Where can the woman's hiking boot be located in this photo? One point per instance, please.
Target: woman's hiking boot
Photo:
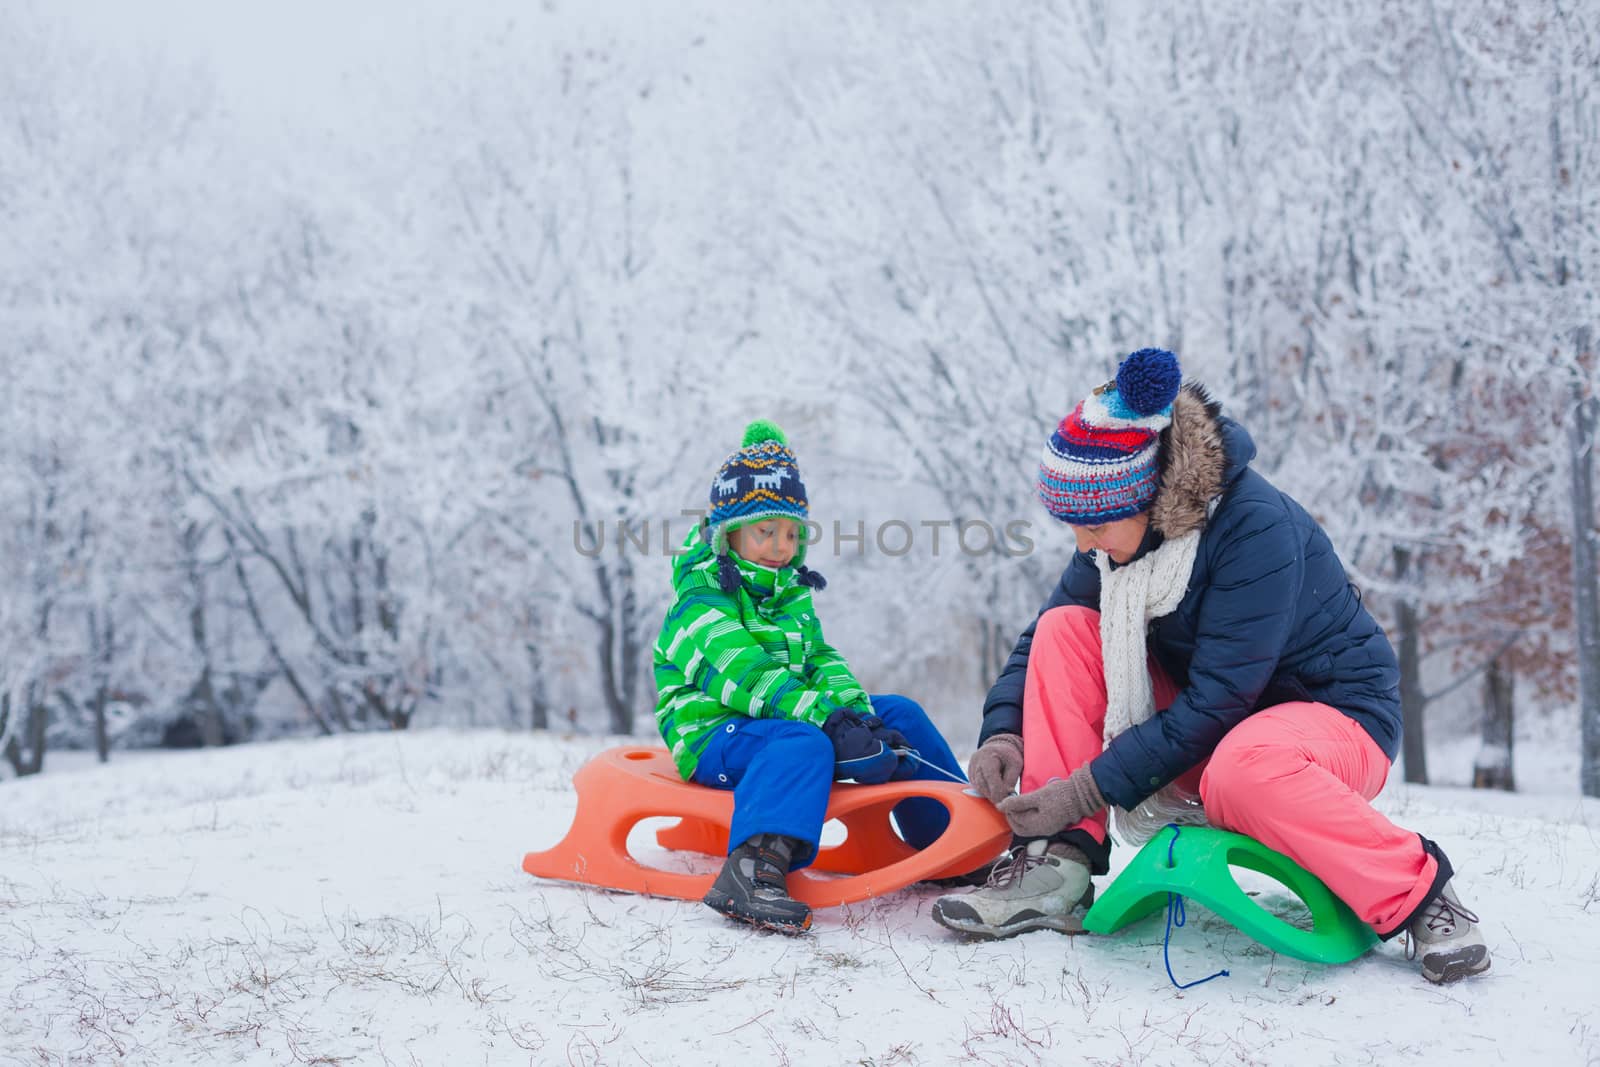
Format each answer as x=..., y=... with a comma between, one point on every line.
x=1446, y=936
x=1042, y=885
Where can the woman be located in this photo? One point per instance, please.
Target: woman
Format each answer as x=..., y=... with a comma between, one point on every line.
x=1200, y=589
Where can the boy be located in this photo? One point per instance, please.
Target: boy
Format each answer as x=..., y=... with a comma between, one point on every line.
x=752, y=699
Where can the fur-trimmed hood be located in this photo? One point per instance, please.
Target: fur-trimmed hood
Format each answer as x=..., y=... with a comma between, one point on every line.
x=1202, y=451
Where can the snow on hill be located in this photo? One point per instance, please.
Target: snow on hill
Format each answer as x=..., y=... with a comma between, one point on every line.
x=359, y=900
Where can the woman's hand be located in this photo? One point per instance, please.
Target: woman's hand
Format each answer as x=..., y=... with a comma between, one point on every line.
x=996, y=767
x=1055, y=806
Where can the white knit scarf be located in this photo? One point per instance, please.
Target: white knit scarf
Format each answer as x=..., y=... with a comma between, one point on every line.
x=1130, y=596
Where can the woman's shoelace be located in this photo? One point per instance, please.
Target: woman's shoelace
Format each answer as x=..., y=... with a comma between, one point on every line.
x=1441, y=913
x=1437, y=914
x=1012, y=866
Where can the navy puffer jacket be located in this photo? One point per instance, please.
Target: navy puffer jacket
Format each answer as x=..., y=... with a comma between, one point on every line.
x=1270, y=616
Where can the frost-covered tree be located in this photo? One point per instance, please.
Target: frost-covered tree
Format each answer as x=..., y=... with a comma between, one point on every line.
x=90, y=175
x=322, y=431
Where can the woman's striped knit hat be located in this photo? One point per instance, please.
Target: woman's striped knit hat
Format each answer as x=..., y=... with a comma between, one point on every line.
x=1101, y=464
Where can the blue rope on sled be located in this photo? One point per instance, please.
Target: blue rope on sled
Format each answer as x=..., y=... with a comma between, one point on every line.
x=1176, y=916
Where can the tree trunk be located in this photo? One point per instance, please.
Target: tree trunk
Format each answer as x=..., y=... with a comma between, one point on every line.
x=619, y=649
x=630, y=650
x=200, y=704
x=208, y=713
x=998, y=639
x=616, y=711
x=102, y=734
x=1585, y=592
x=29, y=760
x=106, y=641
x=539, y=712
x=1492, y=769
x=986, y=641
x=201, y=701
x=1412, y=700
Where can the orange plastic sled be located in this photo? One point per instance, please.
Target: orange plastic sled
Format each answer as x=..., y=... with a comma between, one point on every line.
x=621, y=786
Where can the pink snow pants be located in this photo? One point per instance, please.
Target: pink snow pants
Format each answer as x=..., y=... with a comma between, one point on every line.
x=1296, y=777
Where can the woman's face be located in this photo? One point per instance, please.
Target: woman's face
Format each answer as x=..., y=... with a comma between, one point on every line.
x=769, y=543
x=1119, y=540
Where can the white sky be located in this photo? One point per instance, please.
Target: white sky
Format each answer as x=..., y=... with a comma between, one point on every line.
x=282, y=55
x=299, y=59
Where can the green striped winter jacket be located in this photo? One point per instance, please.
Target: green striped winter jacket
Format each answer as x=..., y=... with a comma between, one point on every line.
x=757, y=653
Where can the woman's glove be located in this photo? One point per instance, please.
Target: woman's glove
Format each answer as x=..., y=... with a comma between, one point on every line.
x=857, y=754
x=1055, y=806
x=996, y=767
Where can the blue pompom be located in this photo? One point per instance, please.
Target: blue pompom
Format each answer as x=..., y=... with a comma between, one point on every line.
x=1148, y=380
x=810, y=578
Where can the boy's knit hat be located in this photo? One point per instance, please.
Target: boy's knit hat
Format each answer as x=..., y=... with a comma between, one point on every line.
x=759, y=481
x=1101, y=464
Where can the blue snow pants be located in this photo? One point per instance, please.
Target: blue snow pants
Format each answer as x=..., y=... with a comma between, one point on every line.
x=781, y=772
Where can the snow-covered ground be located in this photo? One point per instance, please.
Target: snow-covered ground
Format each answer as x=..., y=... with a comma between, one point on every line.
x=359, y=900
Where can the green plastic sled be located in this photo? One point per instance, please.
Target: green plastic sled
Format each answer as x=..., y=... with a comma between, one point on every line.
x=1199, y=871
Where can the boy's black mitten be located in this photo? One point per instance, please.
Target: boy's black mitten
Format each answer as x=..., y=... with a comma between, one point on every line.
x=890, y=737
x=857, y=754
x=896, y=741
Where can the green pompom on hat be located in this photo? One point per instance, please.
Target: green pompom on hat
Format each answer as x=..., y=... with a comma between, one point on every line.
x=762, y=430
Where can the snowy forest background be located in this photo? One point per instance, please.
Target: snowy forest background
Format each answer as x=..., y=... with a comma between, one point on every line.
x=334, y=342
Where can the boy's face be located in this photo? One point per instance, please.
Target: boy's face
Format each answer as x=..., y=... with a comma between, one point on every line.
x=768, y=543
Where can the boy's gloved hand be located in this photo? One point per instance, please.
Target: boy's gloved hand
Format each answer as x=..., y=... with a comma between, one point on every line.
x=857, y=754
x=910, y=764
x=892, y=738
x=1055, y=806
x=996, y=767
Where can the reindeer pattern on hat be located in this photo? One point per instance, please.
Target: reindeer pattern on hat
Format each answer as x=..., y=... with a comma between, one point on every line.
x=772, y=479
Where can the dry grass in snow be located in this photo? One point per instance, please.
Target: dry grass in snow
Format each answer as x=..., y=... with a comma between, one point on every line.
x=358, y=900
